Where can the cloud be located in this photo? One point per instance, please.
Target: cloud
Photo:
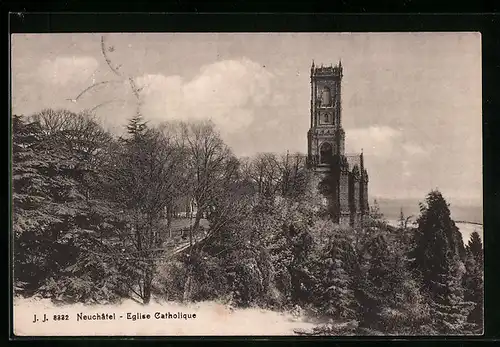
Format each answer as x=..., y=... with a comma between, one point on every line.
x=381, y=141
x=406, y=171
x=64, y=70
x=229, y=92
x=413, y=149
x=375, y=140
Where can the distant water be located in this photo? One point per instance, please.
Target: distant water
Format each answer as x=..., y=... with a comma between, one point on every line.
x=391, y=209
x=468, y=218
x=465, y=228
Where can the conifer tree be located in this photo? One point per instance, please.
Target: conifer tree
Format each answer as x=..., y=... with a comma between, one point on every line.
x=475, y=247
x=449, y=309
x=56, y=229
x=437, y=253
x=332, y=288
x=436, y=238
x=389, y=299
x=375, y=216
x=46, y=200
x=401, y=219
x=377, y=282
x=136, y=126
x=334, y=284
x=375, y=285
x=375, y=212
x=28, y=198
x=474, y=281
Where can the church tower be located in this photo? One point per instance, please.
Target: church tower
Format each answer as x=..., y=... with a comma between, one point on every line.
x=347, y=196
x=326, y=136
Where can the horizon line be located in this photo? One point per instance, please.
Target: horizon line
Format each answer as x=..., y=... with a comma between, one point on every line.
x=473, y=200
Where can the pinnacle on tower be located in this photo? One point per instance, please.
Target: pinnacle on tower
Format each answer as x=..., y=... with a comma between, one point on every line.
x=361, y=160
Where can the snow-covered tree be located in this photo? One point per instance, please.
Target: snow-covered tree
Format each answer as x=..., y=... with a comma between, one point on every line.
x=474, y=281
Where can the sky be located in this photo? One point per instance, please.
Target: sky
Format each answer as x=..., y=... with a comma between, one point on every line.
x=410, y=101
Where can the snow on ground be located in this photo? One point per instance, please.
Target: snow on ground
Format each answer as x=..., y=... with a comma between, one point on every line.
x=211, y=319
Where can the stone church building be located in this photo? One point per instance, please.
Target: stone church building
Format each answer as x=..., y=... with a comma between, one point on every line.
x=348, y=193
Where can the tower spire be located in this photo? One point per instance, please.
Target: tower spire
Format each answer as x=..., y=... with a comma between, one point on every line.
x=361, y=160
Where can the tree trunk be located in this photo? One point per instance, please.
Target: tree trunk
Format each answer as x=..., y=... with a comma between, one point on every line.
x=169, y=225
x=148, y=278
x=186, y=297
x=199, y=215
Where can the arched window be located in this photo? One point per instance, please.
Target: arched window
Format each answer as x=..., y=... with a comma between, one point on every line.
x=326, y=97
x=325, y=153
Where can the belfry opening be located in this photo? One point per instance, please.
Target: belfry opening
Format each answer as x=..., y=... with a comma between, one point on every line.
x=326, y=153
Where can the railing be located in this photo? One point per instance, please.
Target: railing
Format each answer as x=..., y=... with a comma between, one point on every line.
x=174, y=245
